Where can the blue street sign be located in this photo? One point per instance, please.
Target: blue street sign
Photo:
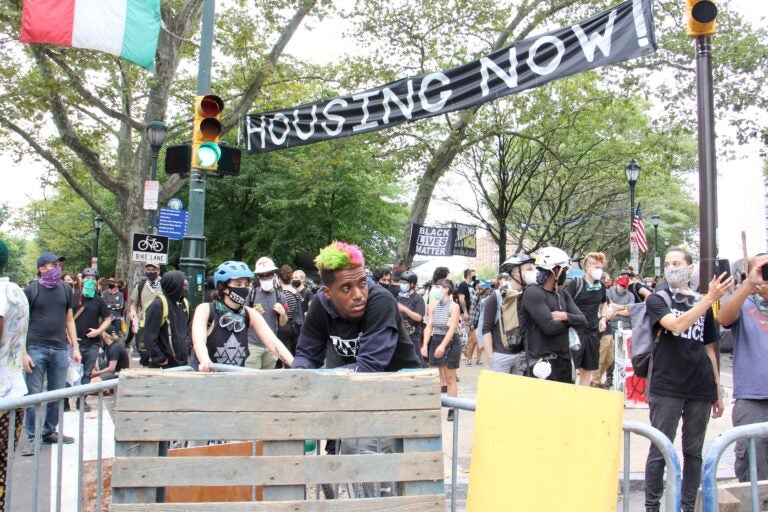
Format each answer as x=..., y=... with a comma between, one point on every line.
x=172, y=223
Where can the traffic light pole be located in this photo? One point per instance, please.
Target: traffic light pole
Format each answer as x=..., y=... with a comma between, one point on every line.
x=707, y=162
x=193, y=260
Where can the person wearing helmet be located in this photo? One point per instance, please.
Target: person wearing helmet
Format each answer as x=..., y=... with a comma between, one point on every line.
x=411, y=307
x=506, y=349
x=220, y=328
x=268, y=301
x=549, y=311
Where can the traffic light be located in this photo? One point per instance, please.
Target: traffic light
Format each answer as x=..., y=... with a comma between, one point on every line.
x=205, y=136
x=178, y=159
x=701, y=16
x=229, y=163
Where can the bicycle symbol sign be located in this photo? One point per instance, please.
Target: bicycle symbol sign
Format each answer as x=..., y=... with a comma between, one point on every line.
x=149, y=248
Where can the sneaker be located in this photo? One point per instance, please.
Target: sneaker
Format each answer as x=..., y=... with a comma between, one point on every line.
x=478, y=363
x=53, y=438
x=29, y=448
x=450, y=415
x=469, y=363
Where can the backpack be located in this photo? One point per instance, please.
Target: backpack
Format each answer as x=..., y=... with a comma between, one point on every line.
x=34, y=289
x=508, y=318
x=579, y=287
x=643, y=341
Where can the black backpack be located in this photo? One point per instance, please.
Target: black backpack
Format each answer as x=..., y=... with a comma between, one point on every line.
x=34, y=290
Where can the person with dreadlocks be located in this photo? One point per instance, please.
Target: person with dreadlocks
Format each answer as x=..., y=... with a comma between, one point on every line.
x=220, y=328
x=354, y=324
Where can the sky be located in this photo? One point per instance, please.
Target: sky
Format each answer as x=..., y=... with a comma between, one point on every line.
x=739, y=181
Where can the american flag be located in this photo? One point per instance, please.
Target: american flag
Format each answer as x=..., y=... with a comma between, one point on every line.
x=637, y=225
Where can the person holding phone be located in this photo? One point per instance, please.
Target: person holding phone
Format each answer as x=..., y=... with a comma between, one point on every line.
x=746, y=315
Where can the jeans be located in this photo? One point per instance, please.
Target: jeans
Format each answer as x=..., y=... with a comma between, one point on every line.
x=515, y=364
x=51, y=363
x=747, y=412
x=665, y=416
x=89, y=354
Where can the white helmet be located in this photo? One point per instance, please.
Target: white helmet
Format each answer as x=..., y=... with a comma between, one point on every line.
x=264, y=265
x=551, y=257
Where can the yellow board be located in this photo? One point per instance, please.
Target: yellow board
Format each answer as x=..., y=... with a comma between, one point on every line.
x=544, y=446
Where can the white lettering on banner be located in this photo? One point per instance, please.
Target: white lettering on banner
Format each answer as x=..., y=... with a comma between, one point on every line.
x=510, y=79
x=333, y=117
x=552, y=66
x=596, y=39
x=441, y=232
x=281, y=118
x=253, y=127
x=432, y=240
x=640, y=28
x=311, y=132
x=432, y=251
x=444, y=95
x=364, y=124
x=390, y=96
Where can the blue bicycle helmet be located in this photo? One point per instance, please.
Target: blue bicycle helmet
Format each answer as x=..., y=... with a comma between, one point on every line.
x=231, y=270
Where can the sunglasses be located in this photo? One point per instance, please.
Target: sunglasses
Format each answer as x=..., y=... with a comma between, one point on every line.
x=266, y=276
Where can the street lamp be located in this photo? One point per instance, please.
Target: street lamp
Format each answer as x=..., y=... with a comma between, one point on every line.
x=156, y=131
x=632, y=172
x=97, y=222
x=656, y=258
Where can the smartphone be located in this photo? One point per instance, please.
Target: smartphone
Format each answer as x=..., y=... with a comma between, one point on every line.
x=765, y=272
x=723, y=266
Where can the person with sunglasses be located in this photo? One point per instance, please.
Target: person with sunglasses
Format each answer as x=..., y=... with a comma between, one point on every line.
x=745, y=313
x=220, y=328
x=685, y=380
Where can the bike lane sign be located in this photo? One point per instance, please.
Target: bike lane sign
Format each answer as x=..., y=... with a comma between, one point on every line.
x=150, y=248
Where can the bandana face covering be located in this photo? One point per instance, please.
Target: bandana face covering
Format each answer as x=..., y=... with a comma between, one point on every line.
x=50, y=278
x=89, y=288
x=677, y=276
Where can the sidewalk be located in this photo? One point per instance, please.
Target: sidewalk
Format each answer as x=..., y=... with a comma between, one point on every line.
x=638, y=445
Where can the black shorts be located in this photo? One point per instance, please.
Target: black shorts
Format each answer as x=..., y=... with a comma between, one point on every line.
x=451, y=356
x=588, y=356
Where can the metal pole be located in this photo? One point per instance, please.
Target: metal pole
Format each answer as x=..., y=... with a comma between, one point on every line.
x=193, y=260
x=633, y=256
x=656, y=260
x=707, y=162
x=95, y=262
x=151, y=228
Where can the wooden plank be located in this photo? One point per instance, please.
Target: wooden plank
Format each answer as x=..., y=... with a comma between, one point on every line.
x=270, y=470
x=139, y=494
x=278, y=450
x=278, y=390
x=741, y=493
x=275, y=426
x=424, y=487
x=435, y=503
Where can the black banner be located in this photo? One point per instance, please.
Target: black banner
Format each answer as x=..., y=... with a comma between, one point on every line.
x=622, y=33
x=466, y=242
x=432, y=241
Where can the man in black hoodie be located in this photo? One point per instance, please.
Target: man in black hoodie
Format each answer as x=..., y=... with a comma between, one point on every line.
x=166, y=326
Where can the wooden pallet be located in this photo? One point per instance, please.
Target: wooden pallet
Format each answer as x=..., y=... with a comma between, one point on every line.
x=280, y=408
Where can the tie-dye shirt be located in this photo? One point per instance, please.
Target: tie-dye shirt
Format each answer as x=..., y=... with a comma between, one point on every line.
x=14, y=309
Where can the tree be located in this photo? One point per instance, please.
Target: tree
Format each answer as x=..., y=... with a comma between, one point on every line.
x=99, y=106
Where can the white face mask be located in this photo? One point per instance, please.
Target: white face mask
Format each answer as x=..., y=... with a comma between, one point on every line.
x=405, y=287
x=267, y=285
x=530, y=277
x=596, y=273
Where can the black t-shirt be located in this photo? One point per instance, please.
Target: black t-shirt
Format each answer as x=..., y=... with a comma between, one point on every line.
x=374, y=343
x=588, y=301
x=95, y=310
x=117, y=352
x=415, y=303
x=48, y=316
x=306, y=298
x=681, y=367
x=463, y=289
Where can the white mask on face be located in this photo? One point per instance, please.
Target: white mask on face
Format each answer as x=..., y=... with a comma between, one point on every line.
x=267, y=285
x=596, y=273
x=530, y=277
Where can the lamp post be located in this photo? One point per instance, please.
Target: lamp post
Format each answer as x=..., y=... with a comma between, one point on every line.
x=97, y=222
x=632, y=172
x=656, y=258
x=156, y=131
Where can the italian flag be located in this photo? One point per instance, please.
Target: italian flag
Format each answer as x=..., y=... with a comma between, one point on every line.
x=126, y=28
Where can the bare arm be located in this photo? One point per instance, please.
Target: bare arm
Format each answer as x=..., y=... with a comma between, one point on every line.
x=731, y=309
x=717, y=405
x=200, y=336
x=717, y=288
x=72, y=334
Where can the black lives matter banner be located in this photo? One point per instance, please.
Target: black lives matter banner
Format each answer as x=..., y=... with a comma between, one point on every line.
x=432, y=241
x=622, y=33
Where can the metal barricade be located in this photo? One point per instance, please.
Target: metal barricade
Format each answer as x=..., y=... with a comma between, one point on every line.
x=712, y=459
x=666, y=447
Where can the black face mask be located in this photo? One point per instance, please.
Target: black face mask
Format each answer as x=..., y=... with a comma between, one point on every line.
x=561, y=279
x=296, y=283
x=151, y=276
x=542, y=277
x=239, y=295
